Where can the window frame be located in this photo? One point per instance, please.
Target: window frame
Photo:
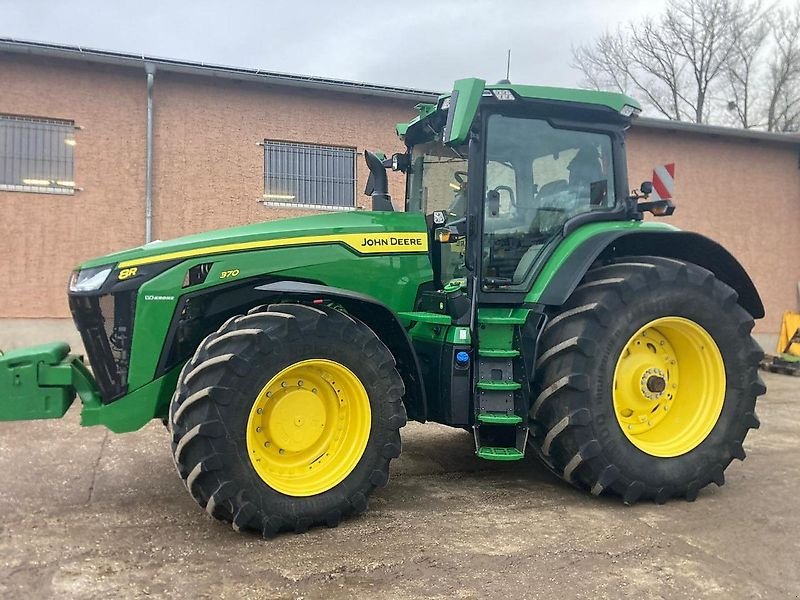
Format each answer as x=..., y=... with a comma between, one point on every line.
x=59, y=190
x=294, y=202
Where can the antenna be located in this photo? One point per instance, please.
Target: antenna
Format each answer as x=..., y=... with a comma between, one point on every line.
x=508, y=66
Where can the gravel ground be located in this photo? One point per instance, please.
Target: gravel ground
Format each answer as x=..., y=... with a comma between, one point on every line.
x=90, y=514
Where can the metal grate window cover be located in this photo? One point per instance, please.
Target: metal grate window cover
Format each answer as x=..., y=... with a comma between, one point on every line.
x=36, y=155
x=310, y=175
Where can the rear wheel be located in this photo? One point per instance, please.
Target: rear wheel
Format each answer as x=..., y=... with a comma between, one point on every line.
x=287, y=417
x=648, y=381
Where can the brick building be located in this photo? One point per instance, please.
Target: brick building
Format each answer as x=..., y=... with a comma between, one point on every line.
x=82, y=118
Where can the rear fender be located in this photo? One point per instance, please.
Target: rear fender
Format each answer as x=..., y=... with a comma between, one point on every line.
x=682, y=245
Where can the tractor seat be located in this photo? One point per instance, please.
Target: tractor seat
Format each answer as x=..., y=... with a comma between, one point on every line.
x=525, y=263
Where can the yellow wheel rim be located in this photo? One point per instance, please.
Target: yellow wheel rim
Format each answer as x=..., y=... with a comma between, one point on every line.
x=669, y=386
x=308, y=427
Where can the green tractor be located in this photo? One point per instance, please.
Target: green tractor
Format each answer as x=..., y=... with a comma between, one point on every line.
x=520, y=296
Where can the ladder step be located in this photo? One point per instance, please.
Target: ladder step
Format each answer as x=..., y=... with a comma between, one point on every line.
x=498, y=353
x=503, y=386
x=492, y=320
x=494, y=453
x=425, y=317
x=496, y=418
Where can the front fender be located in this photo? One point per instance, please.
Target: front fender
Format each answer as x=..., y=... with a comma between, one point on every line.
x=378, y=317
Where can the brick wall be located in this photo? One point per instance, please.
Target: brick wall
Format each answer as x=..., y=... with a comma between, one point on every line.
x=44, y=236
x=208, y=173
x=741, y=193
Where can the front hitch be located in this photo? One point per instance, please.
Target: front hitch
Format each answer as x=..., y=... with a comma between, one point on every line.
x=41, y=382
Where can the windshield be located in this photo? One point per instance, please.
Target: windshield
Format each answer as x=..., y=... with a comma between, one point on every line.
x=438, y=181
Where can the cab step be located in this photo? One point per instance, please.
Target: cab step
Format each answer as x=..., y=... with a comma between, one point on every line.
x=425, y=317
x=496, y=453
x=503, y=386
x=489, y=353
x=496, y=418
x=500, y=320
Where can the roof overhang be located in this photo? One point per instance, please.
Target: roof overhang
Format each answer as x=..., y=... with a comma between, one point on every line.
x=716, y=131
x=140, y=61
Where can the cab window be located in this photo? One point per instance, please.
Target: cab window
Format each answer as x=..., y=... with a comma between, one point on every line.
x=537, y=177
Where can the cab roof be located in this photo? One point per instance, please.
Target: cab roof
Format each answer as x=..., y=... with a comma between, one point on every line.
x=618, y=103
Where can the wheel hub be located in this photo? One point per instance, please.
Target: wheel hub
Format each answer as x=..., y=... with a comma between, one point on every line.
x=308, y=427
x=298, y=419
x=669, y=386
x=654, y=382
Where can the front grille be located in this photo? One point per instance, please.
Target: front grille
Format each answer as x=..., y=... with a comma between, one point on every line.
x=105, y=323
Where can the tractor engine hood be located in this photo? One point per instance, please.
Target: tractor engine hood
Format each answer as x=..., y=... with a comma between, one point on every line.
x=361, y=231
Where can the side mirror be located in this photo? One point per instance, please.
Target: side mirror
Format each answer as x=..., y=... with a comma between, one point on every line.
x=377, y=184
x=646, y=188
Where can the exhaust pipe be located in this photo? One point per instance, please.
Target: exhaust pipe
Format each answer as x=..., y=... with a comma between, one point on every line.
x=378, y=183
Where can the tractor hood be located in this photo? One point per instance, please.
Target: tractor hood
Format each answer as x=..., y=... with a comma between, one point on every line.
x=344, y=228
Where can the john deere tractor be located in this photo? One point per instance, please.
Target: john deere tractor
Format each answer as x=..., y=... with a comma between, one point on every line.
x=520, y=296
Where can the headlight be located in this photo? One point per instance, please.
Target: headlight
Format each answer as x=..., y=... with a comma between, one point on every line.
x=88, y=280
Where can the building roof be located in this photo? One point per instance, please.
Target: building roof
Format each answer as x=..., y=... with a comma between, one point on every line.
x=717, y=131
x=124, y=59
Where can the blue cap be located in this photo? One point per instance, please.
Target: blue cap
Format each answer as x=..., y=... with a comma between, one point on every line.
x=462, y=358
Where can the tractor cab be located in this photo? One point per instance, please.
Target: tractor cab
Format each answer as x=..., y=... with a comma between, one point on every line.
x=501, y=170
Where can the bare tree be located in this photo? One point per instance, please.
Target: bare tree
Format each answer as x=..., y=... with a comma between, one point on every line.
x=783, y=107
x=742, y=70
x=701, y=57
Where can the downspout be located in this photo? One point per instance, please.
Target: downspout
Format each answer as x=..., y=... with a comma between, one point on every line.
x=150, y=69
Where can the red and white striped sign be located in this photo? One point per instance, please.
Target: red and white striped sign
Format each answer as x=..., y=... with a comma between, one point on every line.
x=664, y=182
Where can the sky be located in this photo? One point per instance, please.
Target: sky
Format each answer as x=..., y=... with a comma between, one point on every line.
x=419, y=45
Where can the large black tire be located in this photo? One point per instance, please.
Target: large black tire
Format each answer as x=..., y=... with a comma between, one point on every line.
x=575, y=429
x=216, y=390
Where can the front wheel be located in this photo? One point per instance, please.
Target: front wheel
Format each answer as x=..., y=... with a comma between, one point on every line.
x=286, y=418
x=647, y=381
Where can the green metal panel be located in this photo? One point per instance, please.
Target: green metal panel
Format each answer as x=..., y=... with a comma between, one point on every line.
x=427, y=332
x=459, y=336
x=612, y=100
x=424, y=317
x=573, y=241
x=496, y=327
x=40, y=382
x=392, y=279
x=134, y=410
x=300, y=228
x=465, y=99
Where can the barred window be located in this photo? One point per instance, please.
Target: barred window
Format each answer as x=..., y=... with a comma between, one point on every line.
x=315, y=176
x=36, y=155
